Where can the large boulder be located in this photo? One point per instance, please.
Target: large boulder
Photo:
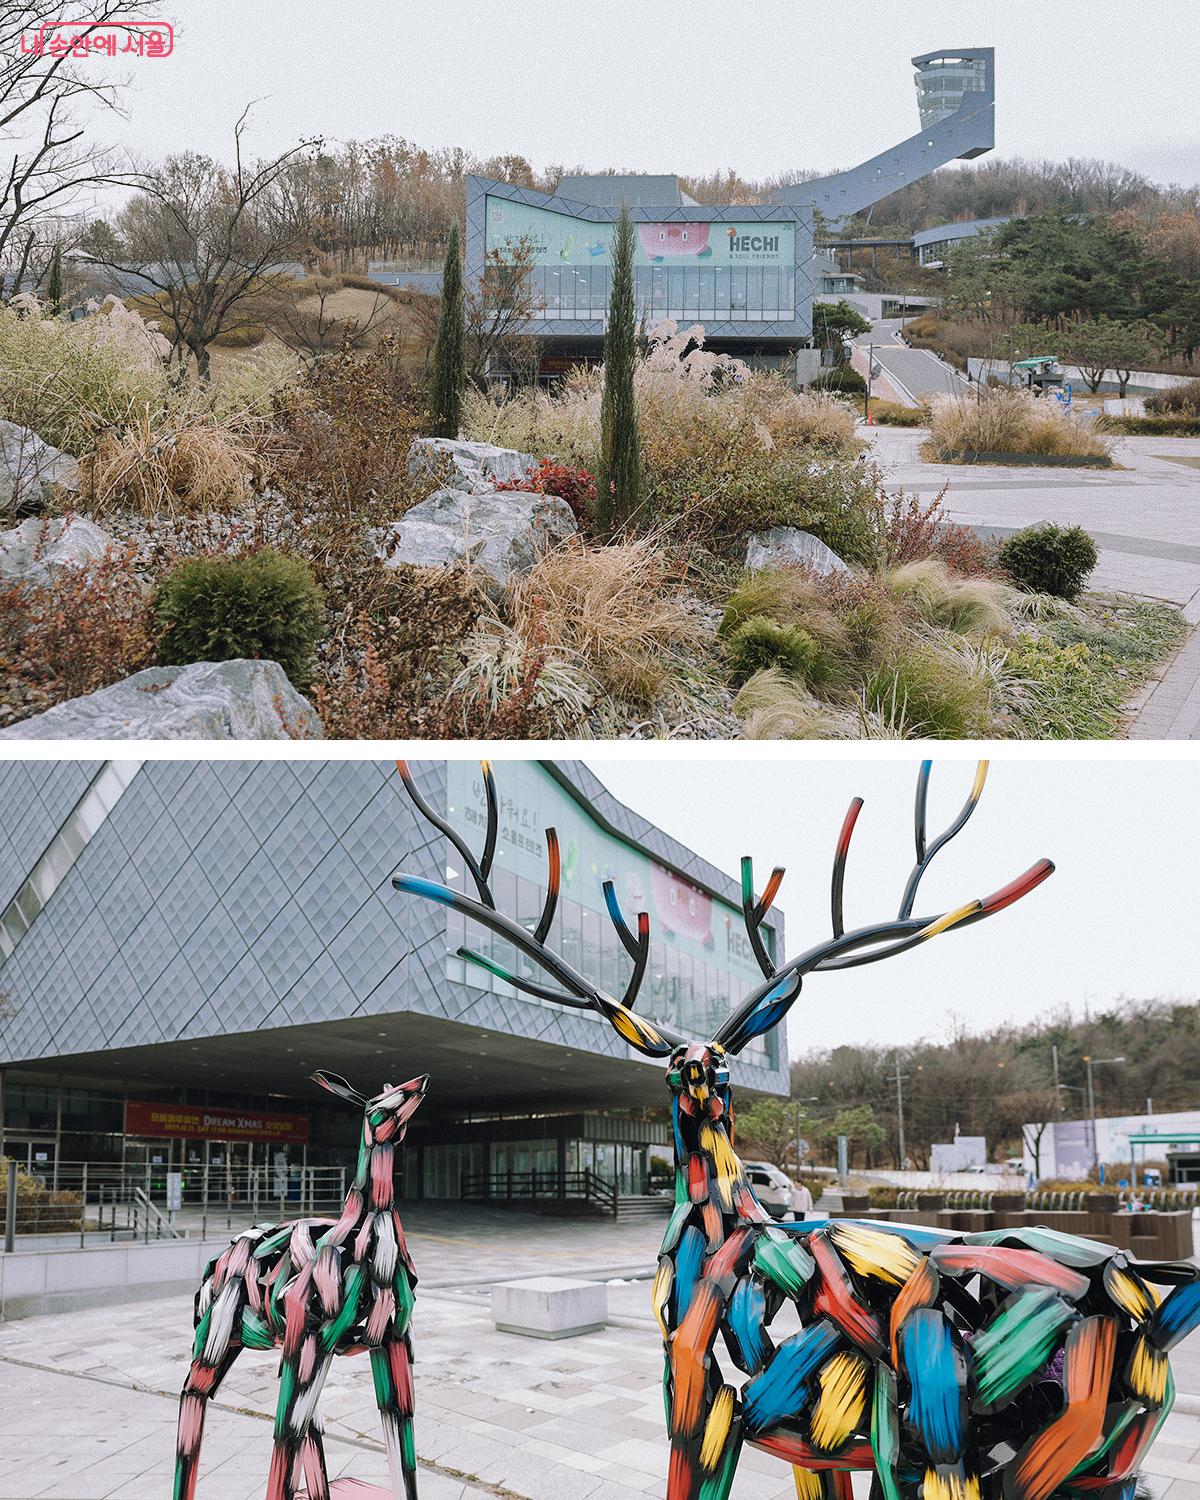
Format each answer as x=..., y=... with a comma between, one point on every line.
x=499, y=533
x=224, y=700
x=35, y=550
x=783, y=546
x=459, y=465
x=30, y=471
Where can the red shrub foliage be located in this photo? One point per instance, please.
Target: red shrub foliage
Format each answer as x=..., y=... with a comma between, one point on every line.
x=914, y=530
x=84, y=629
x=569, y=482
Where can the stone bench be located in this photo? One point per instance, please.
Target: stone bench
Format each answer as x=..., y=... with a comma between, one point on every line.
x=550, y=1307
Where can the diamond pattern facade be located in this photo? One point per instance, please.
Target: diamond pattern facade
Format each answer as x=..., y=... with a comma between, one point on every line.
x=225, y=899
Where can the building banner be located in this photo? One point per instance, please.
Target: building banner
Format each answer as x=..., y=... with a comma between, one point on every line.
x=198, y=1122
x=555, y=239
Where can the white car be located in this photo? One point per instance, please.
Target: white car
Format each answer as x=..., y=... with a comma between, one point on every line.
x=772, y=1188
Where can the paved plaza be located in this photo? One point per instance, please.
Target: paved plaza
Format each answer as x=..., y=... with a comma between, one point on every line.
x=87, y=1400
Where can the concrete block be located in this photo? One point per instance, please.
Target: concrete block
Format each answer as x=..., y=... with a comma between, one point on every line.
x=550, y=1307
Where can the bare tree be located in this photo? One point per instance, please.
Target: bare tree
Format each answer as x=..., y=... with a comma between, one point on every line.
x=309, y=324
x=205, y=238
x=46, y=162
x=499, y=307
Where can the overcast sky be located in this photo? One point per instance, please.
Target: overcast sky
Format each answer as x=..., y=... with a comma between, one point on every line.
x=671, y=86
x=1117, y=917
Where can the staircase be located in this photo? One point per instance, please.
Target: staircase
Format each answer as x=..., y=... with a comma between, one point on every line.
x=648, y=1206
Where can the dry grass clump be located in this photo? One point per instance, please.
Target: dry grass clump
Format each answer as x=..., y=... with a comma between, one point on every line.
x=928, y=689
x=512, y=687
x=68, y=380
x=974, y=607
x=564, y=426
x=805, y=419
x=1011, y=421
x=773, y=705
x=193, y=463
x=618, y=609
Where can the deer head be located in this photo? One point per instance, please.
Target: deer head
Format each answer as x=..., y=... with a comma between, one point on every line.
x=386, y=1116
x=698, y=1070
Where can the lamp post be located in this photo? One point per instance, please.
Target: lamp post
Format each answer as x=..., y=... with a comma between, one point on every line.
x=1095, y=1062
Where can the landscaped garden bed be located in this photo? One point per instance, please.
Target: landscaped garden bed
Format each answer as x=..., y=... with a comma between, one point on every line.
x=301, y=515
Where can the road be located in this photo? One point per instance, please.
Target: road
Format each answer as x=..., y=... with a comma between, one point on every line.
x=915, y=373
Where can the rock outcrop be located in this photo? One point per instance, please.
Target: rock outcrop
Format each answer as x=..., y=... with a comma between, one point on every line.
x=781, y=546
x=226, y=700
x=460, y=465
x=499, y=533
x=30, y=470
x=36, y=549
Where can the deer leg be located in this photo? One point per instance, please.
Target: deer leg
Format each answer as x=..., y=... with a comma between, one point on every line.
x=297, y=1439
x=199, y=1388
x=391, y=1366
x=703, y=1414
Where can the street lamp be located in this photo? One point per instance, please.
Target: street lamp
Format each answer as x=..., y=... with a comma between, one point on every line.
x=1096, y=1062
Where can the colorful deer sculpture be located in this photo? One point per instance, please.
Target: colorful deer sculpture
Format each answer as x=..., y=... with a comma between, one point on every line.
x=315, y=1288
x=1009, y=1365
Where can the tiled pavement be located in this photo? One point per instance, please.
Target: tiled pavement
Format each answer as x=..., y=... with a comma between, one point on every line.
x=87, y=1400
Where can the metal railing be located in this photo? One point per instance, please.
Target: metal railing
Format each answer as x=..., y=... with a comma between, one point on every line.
x=86, y=1202
x=540, y=1185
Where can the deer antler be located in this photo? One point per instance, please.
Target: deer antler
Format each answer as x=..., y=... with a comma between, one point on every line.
x=576, y=992
x=768, y=1004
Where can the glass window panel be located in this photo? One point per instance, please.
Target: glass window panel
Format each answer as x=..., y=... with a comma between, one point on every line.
x=572, y=932
x=737, y=291
x=659, y=298
x=691, y=292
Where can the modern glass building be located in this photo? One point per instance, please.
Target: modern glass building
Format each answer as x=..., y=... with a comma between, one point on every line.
x=182, y=944
x=745, y=273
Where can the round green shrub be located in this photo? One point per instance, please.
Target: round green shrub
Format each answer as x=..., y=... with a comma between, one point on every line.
x=264, y=606
x=842, y=378
x=1050, y=559
x=760, y=642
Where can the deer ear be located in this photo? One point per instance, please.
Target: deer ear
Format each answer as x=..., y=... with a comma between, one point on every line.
x=336, y=1084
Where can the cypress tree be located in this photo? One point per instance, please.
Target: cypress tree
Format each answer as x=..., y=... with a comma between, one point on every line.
x=618, y=486
x=450, y=346
x=54, y=286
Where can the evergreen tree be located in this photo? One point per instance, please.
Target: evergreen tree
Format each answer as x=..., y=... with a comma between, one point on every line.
x=54, y=285
x=450, y=346
x=618, y=485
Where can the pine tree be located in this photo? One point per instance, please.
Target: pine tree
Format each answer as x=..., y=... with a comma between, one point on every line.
x=450, y=346
x=618, y=485
x=54, y=285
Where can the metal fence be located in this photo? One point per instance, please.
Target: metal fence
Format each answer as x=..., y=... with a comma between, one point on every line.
x=96, y=1201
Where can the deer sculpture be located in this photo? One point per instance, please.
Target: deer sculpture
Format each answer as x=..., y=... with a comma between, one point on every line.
x=315, y=1288
x=1009, y=1365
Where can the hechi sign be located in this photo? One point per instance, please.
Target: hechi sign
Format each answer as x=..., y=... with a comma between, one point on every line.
x=195, y=1122
x=82, y=39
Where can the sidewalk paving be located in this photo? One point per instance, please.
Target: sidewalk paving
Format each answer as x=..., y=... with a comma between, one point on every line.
x=88, y=1399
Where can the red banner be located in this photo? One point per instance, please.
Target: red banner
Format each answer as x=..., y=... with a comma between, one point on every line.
x=200, y=1122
